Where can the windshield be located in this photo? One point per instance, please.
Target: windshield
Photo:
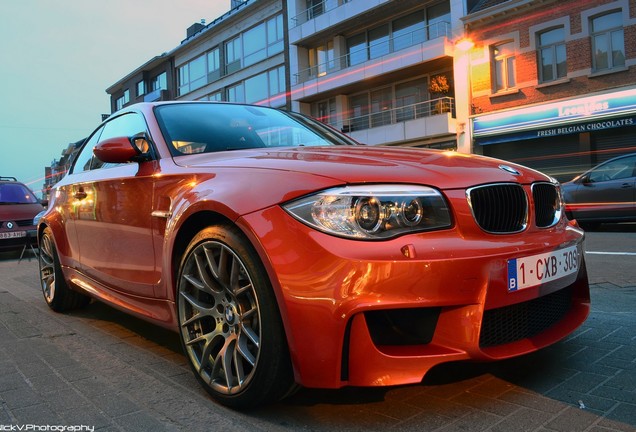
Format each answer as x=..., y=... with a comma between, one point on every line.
x=206, y=128
x=16, y=193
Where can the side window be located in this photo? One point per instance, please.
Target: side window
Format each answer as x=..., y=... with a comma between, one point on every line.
x=126, y=125
x=85, y=156
x=616, y=170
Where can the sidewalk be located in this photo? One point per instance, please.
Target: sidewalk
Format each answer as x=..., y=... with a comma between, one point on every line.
x=104, y=370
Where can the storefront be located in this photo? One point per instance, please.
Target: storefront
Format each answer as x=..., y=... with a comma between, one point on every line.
x=561, y=138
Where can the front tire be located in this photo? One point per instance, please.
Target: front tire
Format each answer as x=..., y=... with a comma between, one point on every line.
x=56, y=291
x=230, y=326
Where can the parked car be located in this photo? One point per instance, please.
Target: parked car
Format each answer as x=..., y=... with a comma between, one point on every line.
x=606, y=193
x=18, y=206
x=286, y=254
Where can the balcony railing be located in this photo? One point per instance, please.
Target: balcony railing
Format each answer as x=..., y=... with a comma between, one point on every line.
x=396, y=115
x=374, y=50
x=317, y=9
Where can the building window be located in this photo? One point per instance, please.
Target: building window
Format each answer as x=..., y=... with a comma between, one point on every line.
x=379, y=39
x=263, y=87
x=262, y=41
x=255, y=44
x=381, y=107
x=438, y=19
x=160, y=82
x=357, y=49
x=552, y=55
x=214, y=64
x=275, y=35
x=216, y=96
x=409, y=98
x=315, y=8
x=409, y=30
x=276, y=81
x=256, y=88
x=236, y=93
x=326, y=111
x=503, y=67
x=123, y=100
x=192, y=75
x=321, y=59
x=233, y=55
x=608, y=44
x=404, y=32
x=141, y=88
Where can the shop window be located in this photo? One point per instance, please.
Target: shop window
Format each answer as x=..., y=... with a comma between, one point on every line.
x=608, y=44
x=503, y=66
x=552, y=55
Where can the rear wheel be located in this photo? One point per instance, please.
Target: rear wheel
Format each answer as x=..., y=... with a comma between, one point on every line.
x=56, y=291
x=229, y=321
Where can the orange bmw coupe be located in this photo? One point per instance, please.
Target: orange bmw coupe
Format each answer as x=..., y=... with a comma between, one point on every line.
x=285, y=254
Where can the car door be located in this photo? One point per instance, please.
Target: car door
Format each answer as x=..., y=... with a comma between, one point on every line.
x=607, y=192
x=113, y=222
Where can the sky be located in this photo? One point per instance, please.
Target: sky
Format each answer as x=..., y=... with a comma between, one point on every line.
x=57, y=57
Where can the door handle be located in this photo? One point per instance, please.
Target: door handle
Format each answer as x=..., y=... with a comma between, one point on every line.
x=80, y=194
x=625, y=185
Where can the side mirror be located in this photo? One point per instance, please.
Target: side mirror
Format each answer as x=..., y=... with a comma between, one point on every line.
x=123, y=149
x=115, y=150
x=44, y=202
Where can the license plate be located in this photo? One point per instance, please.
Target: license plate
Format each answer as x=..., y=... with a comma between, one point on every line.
x=538, y=269
x=12, y=234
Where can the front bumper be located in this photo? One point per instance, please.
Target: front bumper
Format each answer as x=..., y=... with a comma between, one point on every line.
x=435, y=292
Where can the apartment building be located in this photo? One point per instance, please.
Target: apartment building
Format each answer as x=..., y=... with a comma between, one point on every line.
x=238, y=57
x=553, y=83
x=546, y=83
x=379, y=70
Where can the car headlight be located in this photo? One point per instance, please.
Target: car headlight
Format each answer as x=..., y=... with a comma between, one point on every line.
x=369, y=212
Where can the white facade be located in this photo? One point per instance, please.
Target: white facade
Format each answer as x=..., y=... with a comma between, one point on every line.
x=240, y=57
x=366, y=67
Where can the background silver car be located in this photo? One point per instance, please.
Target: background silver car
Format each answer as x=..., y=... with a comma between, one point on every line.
x=606, y=193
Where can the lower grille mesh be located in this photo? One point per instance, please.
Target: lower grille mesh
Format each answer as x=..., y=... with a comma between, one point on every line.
x=523, y=320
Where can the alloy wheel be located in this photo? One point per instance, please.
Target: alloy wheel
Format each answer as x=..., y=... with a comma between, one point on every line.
x=219, y=317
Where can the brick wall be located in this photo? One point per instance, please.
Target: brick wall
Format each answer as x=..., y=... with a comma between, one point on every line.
x=580, y=79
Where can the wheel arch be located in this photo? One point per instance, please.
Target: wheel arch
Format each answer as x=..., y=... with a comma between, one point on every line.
x=204, y=218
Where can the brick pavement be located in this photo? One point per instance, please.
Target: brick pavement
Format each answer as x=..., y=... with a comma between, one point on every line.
x=103, y=369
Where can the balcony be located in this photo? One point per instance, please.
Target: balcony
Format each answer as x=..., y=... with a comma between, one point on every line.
x=326, y=14
x=434, y=117
x=316, y=10
x=374, y=59
x=157, y=95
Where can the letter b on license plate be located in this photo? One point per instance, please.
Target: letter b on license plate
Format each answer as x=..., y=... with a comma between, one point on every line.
x=541, y=268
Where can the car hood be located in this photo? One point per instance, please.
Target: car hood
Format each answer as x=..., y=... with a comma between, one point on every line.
x=352, y=164
x=15, y=212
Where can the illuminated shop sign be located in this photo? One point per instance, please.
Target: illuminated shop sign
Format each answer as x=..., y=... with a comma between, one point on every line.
x=586, y=114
